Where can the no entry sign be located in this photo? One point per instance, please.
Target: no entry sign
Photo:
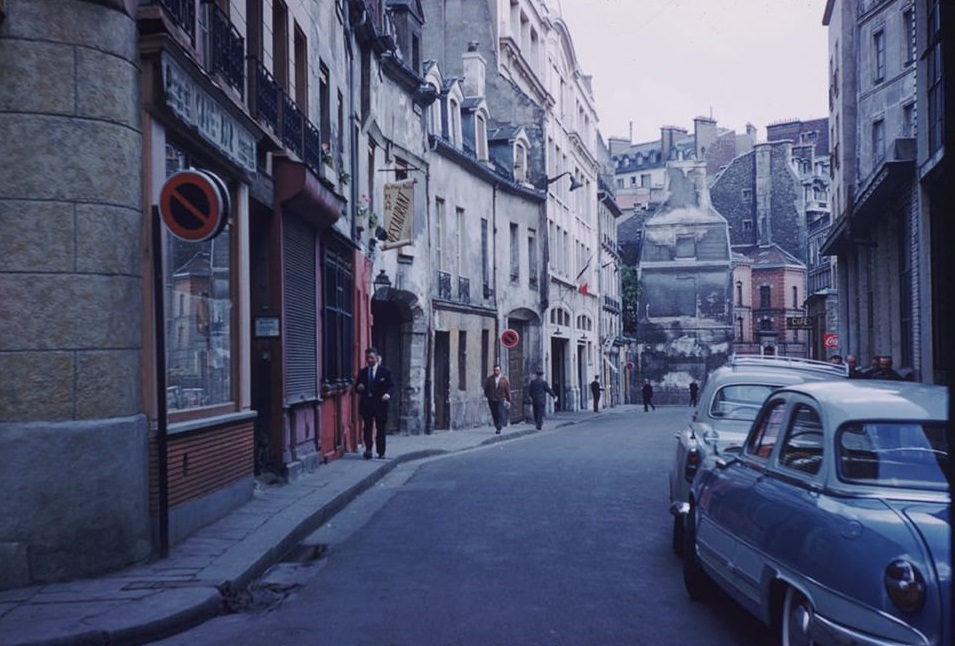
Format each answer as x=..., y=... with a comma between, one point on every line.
x=194, y=205
x=509, y=338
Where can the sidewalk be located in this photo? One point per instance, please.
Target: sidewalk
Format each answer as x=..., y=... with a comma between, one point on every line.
x=159, y=598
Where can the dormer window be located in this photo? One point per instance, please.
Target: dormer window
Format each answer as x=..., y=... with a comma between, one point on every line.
x=520, y=162
x=454, y=122
x=480, y=136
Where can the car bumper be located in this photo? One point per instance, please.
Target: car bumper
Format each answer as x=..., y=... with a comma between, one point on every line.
x=679, y=508
x=825, y=631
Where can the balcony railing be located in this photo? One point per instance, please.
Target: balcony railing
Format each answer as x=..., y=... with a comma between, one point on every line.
x=293, y=126
x=464, y=289
x=182, y=12
x=263, y=95
x=444, y=285
x=228, y=50
x=313, y=148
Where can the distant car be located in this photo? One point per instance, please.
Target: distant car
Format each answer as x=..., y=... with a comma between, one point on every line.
x=832, y=522
x=728, y=402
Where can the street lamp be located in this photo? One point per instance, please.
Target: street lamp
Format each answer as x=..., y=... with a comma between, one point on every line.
x=382, y=285
x=574, y=184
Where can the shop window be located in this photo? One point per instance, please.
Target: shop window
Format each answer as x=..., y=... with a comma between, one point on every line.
x=198, y=279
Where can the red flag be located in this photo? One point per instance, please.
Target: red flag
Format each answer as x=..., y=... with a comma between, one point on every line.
x=583, y=289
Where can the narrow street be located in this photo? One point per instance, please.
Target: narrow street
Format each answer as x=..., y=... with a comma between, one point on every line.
x=560, y=538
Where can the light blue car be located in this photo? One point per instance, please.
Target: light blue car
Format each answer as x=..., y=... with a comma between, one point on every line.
x=832, y=521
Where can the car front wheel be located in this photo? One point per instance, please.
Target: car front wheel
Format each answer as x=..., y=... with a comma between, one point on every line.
x=698, y=583
x=678, y=535
x=796, y=624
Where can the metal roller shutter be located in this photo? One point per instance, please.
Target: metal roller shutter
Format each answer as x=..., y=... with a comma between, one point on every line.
x=301, y=313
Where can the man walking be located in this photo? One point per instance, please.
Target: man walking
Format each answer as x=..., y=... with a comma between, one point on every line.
x=595, y=389
x=694, y=392
x=497, y=389
x=537, y=390
x=375, y=388
x=647, y=392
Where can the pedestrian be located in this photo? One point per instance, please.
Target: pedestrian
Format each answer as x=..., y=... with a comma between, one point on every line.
x=375, y=389
x=595, y=390
x=694, y=392
x=536, y=390
x=885, y=369
x=647, y=392
x=497, y=389
x=854, y=372
x=867, y=372
x=836, y=359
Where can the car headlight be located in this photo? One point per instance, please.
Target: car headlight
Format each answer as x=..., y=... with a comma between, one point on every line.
x=693, y=459
x=905, y=585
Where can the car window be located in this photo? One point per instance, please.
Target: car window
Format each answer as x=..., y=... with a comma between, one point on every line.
x=894, y=454
x=803, y=447
x=739, y=401
x=762, y=439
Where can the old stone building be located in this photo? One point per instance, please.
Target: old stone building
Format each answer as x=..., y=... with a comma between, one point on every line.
x=685, y=324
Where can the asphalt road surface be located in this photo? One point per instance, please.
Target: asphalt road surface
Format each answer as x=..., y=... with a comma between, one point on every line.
x=561, y=538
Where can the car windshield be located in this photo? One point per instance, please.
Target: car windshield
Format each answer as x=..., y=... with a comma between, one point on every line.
x=895, y=454
x=739, y=401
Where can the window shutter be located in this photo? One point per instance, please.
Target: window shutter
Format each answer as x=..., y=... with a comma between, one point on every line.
x=301, y=358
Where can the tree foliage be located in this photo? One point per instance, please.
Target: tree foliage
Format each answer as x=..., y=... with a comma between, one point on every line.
x=630, y=295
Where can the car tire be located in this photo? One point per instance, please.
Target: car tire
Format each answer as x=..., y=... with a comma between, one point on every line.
x=795, y=626
x=678, y=535
x=697, y=582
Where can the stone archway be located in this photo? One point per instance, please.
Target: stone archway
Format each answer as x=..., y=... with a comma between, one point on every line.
x=399, y=331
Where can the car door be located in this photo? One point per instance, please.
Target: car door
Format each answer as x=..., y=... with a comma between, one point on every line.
x=724, y=525
x=785, y=526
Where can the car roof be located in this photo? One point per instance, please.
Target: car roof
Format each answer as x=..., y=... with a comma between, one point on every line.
x=860, y=399
x=755, y=362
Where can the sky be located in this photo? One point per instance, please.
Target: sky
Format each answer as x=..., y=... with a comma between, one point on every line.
x=664, y=62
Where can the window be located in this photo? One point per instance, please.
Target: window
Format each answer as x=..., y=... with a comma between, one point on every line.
x=878, y=56
x=765, y=431
x=803, y=447
x=747, y=194
x=439, y=227
x=301, y=70
x=454, y=122
x=908, y=120
x=747, y=225
x=532, y=265
x=765, y=296
x=935, y=89
x=795, y=297
x=908, y=36
x=878, y=142
x=685, y=247
x=480, y=137
x=515, y=254
x=460, y=267
x=280, y=44
x=645, y=180
x=462, y=360
x=198, y=276
x=324, y=107
x=485, y=265
x=337, y=339
x=520, y=162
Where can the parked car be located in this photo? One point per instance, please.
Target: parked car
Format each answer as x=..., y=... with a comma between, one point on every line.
x=831, y=523
x=729, y=400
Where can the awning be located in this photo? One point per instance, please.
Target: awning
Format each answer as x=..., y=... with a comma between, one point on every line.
x=301, y=192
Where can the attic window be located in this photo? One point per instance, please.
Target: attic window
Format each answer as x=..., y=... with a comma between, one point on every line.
x=520, y=162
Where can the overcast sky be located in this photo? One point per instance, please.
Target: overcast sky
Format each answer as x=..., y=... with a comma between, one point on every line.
x=663, y=62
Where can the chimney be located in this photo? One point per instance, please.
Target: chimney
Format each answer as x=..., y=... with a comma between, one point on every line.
x=475, y=70
x=704, y=134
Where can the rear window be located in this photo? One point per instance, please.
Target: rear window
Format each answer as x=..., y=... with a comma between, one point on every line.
x=739, y=401
x=894, y=454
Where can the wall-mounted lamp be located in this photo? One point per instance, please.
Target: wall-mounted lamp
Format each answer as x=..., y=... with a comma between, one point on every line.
x=557, y=331
x=382, y=285
x=574, y=184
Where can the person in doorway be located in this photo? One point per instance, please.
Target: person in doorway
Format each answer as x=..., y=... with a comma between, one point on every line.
x=375, y=389
x=595, y=390
x=497, y=390
x=537, y=390
x=694, y=392
x=647, y=392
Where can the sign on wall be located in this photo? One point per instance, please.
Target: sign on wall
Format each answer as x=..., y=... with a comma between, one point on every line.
x=399, y=213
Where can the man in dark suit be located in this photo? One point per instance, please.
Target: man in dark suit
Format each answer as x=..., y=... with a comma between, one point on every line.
x=375, y=388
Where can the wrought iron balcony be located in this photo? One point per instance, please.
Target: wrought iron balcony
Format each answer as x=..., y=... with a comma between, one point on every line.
x=227, y=49
x=464, y=289
x=263, y=95
x=293, y=126
x=444, y=285
x=313, y=148
x=181, y=12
